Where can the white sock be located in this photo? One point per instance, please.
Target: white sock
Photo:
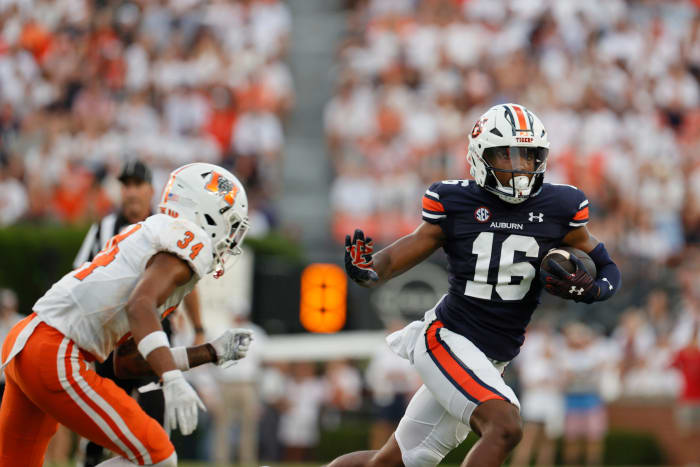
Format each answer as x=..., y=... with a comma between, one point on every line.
x=121, y=462
x=116, y=462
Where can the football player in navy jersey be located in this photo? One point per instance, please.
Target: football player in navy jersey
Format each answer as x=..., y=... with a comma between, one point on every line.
x=495, y=231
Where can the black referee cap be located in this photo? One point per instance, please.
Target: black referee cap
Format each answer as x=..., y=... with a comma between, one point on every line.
x=136, y=169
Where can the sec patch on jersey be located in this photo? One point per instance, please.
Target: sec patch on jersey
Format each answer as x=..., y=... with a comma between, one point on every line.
x=562, y=255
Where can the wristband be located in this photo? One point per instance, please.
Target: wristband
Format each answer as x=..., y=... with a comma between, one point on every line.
x=182, y=361
x=171, y=375
x=199, y=330
x=609, y=277
x=151, y=342
x=212, y=352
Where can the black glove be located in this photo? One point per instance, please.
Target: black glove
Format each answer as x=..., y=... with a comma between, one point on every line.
x=578, y=286
x=358, y=258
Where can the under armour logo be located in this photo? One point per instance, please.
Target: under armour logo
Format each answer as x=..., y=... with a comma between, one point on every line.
x=574, y=290
x=539, y=217
x=609, y=284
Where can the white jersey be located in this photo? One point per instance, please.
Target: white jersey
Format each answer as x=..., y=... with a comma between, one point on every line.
x=88, y=304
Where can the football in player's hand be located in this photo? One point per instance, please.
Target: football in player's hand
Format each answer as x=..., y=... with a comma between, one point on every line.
x=562, y=255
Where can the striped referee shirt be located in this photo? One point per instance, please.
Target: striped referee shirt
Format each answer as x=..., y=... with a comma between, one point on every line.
x=98, y=236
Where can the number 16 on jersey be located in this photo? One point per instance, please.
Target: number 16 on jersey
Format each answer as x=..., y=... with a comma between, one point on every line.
x=507, y=267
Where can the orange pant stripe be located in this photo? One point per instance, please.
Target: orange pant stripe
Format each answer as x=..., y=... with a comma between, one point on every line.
x=50, y=382
x=95, y=406
x=463, y=378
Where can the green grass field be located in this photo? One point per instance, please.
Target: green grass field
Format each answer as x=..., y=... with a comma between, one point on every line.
x=623, y=449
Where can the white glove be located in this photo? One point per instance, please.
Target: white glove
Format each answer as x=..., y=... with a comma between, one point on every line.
x=232, y=345
x=181, y=402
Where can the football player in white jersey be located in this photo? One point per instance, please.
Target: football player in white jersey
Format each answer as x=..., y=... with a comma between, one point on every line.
x=116, y=302
x=136, y=181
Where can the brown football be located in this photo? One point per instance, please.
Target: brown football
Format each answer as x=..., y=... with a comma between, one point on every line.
x=561, y=256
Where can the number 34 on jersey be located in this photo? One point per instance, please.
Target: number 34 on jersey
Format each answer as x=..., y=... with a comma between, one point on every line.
x=107, y=255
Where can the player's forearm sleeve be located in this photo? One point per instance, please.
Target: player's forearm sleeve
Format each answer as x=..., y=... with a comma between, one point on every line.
x=609, y=275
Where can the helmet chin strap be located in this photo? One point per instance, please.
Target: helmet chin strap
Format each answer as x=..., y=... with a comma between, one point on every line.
x=510, y=199
x=219, y=267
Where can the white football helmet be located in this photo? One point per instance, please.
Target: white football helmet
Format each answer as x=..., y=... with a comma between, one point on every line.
x=512, y=134
x=215, y=200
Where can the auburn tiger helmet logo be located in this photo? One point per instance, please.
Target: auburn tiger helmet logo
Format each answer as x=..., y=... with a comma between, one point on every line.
x=476, y=131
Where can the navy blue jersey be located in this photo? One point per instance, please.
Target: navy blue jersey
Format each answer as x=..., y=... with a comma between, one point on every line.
x=494, y=250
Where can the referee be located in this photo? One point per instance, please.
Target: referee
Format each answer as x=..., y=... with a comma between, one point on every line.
x=137, y=192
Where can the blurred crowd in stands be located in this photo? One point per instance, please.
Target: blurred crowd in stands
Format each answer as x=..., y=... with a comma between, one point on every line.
x=615, y=83
x=86, y=85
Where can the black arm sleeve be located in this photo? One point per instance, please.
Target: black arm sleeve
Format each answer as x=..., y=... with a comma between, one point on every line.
x=609, y=275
